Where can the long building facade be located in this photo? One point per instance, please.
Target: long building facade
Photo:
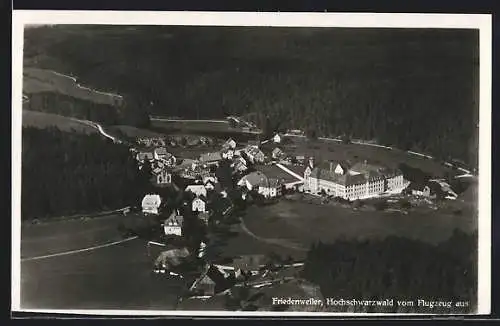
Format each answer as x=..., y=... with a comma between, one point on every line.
x=360, y=181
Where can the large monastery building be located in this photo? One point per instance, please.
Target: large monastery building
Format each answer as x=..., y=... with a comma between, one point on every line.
x=359, y=181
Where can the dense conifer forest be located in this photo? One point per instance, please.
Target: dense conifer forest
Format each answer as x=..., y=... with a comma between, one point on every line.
x=65, y=173
x=397, y=268
x=415, y=89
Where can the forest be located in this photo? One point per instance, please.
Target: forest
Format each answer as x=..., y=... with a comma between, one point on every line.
x=411, y=88
x=64, y=173
x=397, y=268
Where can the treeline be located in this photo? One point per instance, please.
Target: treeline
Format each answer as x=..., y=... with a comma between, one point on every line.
x=128, y=113
x=61, y=104
x=413, y=89
x=397, y=268
x=68, y=173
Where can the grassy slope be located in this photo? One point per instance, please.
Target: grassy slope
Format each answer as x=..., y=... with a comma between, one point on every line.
x=306, y=223
x=41, y=80
x=44, y=120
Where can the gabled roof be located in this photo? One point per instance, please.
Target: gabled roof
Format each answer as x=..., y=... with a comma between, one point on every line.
x=254, y=178
x=210, y=157
x=161, y=151
x=174, y=219
x=197, y=189
x=202, y=197
x=346, y=179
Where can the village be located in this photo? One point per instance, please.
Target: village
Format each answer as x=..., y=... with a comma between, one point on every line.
x=212, y=185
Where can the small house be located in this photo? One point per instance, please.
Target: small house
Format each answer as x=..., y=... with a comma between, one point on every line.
x=239, y=164
x=144, y=156
x=277, y=138
x=252, y=180
x=271, y=188
x=254, y=154
x=173, y=224
x=228, y=153
x=229, y=144
x=161, y=177
x=151, y=204
x=199, y=204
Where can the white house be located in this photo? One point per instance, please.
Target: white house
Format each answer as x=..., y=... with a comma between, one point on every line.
x=271, y=188
x=151, y=204
x=199, y=204
x=163, y=177
x=254, y=154
x=239, y=164
x=173, y=224
x=252, y=180
x=228, y=153
x=197, y=189
x=229, y=144
x=277, y=138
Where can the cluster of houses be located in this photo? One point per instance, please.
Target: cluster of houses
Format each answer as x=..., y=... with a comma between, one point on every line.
x=350, y=181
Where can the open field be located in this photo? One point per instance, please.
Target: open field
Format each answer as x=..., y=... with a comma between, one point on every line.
x=117, y=277
x=44, y=120
x=41, y=80
x=331, y=150
x=305, y=223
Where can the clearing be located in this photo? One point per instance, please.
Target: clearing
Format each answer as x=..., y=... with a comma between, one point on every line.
x=44, y=120
x=37, y=80
x=304, y=223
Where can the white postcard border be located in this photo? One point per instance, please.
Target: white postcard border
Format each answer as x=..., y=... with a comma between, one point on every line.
x=483, y=22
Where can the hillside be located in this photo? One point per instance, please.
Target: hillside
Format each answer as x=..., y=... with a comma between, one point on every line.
x=42, y=80
x=391, y=85
x=43, y=120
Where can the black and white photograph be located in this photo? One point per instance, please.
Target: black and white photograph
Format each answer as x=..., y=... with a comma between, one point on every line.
x=254, y=164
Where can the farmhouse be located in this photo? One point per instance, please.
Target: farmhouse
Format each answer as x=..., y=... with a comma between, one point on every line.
x=173, y=224
x=239, y=164
x=227, y=153
x=199, y=204
x=252, y=180
x=254, y=154
x=151, y=204
x=210, y=158
x=362, y=180
x=229, y=144
x=270, y=189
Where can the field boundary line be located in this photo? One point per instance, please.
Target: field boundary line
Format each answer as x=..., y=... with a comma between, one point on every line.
x=79, y=250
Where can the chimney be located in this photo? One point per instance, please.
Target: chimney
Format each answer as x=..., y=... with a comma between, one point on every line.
x=331, y=166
